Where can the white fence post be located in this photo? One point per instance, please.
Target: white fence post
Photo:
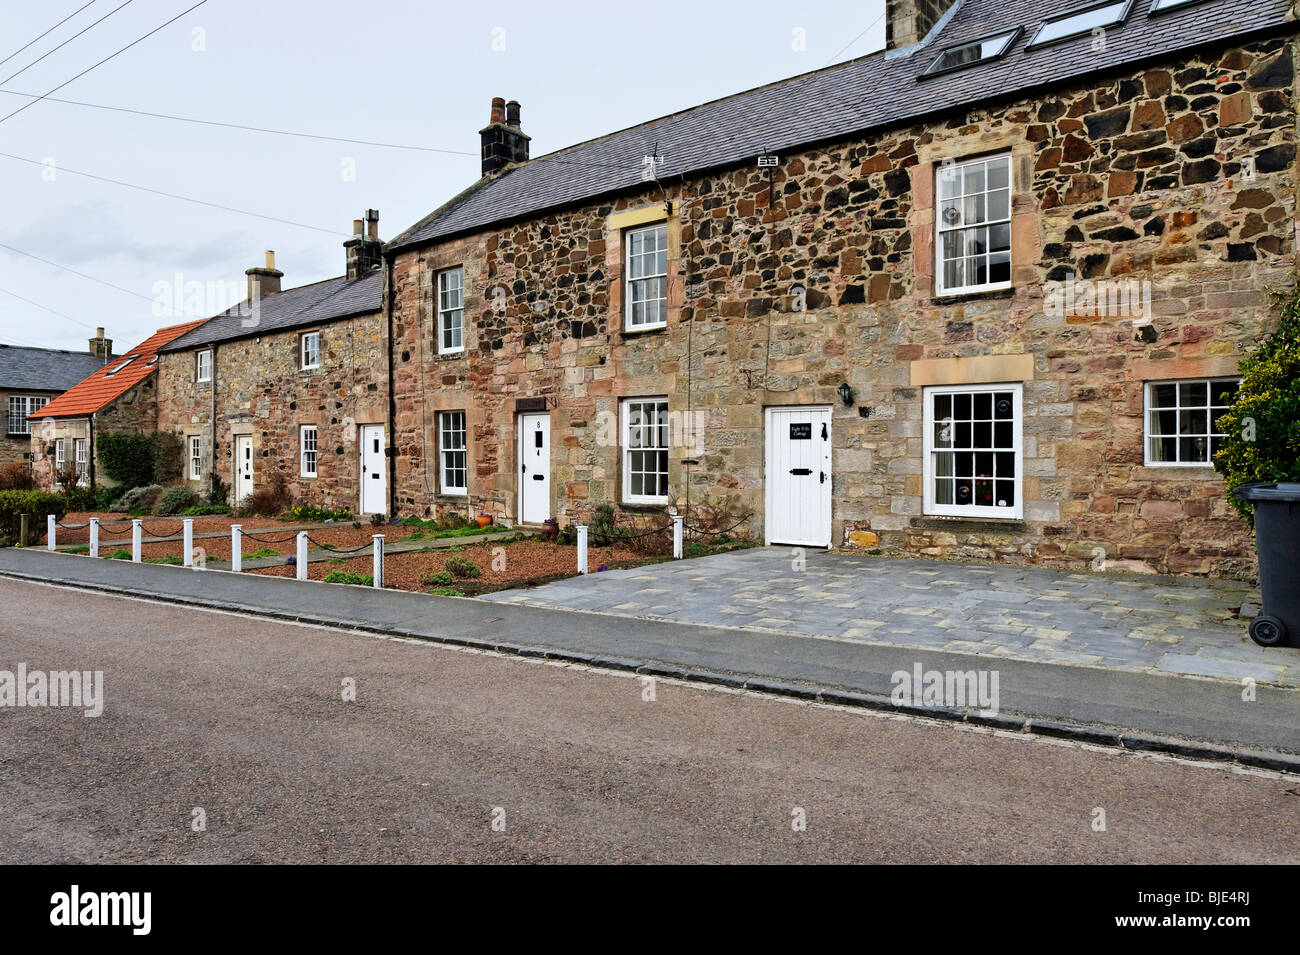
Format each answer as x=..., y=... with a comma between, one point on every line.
x=135, y=539
x=301, y=558
x=188, y=523
x=677, y=537
x=379, y=561
x=94, y=537
x=582, y=548
x=50, y=524
x=236, y=547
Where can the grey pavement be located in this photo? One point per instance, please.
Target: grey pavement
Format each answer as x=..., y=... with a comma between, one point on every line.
x=1110, y=619
x=1120, y=704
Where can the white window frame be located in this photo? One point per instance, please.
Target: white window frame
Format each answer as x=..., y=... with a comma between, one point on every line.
x=60, y=455
x=203, y=365
x=308, y=455
x=196, y=457
x=80, y=456
x=309, y=351
x=1148, y=410
x=631, y=282
x=631, y=443
x=944, y=172
x=448, y=437
x=930, y=507
x=451, y=310
x=29, y=405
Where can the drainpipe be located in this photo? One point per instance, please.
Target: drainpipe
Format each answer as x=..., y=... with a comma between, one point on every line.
x=212, y=460
x=90, y=459
x=391, y=444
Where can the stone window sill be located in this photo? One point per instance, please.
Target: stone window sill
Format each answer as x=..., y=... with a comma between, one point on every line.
x=936, y=522
x=992, y=295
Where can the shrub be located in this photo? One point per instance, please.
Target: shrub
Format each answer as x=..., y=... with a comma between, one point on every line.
x=445, y=592
x=14, y=504
x=263, y=552
x=127, y=457
x=106, y=497
x=343, y=577
x=174, y=500
x=310, y=512
x=441, y=579
x=270, y=500
x=219, y=493
x=204, y=510
x=462, y=566
x=120, y=554
x=16, y=476
x=138, y=498
x=1262, y=428
x=168, y=457
x=376, y=520
x=77, y=549
x=67, y=477
x=169, y=559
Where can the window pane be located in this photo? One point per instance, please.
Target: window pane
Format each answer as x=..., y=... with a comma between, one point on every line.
x=1164, y=395
x=1193, y=393
x=1194, y=422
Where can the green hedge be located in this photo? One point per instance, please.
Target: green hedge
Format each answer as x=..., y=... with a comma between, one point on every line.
x=14, y=504
x=138, y=460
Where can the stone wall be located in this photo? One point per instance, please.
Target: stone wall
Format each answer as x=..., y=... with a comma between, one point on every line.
x=262, y=392
x=1182, y=176
x=16, y=448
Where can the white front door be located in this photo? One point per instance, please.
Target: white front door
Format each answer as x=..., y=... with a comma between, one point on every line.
x=374, y=474
x=798, y=477
x=243, y=466
x=534, y=468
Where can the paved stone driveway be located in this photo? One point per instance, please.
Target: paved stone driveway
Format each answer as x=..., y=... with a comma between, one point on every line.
x=1120, y=620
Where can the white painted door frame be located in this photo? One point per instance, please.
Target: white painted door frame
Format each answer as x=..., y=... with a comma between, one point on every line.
x=797, y=475
x=373, y=496
x=534, y=459
x=243, y=441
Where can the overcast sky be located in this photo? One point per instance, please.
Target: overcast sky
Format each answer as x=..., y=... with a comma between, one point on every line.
x=410, y=73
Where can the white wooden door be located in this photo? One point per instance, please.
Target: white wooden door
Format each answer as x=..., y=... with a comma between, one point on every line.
x=374, y=472
x=798, y=477
x=243, y=466
x=534, y=468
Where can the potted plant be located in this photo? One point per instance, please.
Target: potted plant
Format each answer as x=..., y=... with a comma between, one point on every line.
x=484, y=520
x=551, y=528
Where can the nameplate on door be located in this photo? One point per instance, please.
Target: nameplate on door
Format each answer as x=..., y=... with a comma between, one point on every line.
x=801, y=472
x=801, y=431
x=539, y=477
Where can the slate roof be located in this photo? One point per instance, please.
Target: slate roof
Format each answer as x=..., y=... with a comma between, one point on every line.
x=109, y=383
x=872, y=92
x=312, y=304
x=44, y=369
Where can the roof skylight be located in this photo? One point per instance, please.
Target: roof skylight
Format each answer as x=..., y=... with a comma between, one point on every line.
x=121, y=366
x=1160, y=6
x=977, y=51
x=1093, y=18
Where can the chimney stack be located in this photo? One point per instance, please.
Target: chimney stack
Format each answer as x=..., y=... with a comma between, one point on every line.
x=265, y=281
x=100, y=346
x=364, y=248
x=503, y=141
x=908, y=22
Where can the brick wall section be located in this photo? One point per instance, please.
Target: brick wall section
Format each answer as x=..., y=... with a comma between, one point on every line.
x=262, y=392
x=1140, y=176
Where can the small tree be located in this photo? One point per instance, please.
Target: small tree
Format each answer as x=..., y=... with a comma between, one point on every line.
x=1262, y=429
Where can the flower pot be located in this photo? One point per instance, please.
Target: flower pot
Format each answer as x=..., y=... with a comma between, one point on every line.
x=484, y=520
x=551, y=528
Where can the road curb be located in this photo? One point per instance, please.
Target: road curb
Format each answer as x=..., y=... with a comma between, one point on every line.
x=1113, y=737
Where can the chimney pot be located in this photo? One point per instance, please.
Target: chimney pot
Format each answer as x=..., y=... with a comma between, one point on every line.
x=270, y=259
x=364, y=249
x=356, y=226
x=503, y=142
x=498, y=114
x=512, y=113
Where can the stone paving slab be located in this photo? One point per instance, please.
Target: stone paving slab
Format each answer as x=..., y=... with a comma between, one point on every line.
x=1113, y=620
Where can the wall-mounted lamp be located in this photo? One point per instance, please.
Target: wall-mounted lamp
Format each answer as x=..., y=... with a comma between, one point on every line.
x=846, y=394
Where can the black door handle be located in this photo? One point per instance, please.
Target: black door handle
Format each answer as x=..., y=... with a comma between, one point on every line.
x=823, y=474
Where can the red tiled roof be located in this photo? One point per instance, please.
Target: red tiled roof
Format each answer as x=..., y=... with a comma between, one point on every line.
x=114, y=379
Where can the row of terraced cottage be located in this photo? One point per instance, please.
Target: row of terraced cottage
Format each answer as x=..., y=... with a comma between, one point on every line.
x=981, y=295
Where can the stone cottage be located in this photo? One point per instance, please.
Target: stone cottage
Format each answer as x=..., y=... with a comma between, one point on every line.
x=293, y=382
x=119, y=397
x=979, y=295
x=30, y=378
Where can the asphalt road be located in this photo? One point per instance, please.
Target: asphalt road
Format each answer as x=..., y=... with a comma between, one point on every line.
x=244, y=719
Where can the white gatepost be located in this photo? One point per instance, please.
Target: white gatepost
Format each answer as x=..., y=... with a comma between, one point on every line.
x=378, y=573
x=188, y=522
x=582, y=548
x=677, y=537
x=136, y=534
x=50, y=524
x=236, y=547
x=301, y=558
x=94, y=537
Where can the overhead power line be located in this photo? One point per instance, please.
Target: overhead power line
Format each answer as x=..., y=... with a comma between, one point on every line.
x=46, y=33
x=64, y=43
x=46, y=308
x=73, y=271
x=140, y=39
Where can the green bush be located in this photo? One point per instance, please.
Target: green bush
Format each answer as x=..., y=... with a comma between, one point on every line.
x=445, y=592
x=343, y=577
x=126, y=457
x=174, y=500
x=120, y=554
x=168, y=457
x=77, y=549
x=14, y=504
x=137, y=499
x=440, y=579
x=169, y=559
x=462, y=566
x=1262, y=428
x=205, y=510
x=263, y=552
